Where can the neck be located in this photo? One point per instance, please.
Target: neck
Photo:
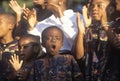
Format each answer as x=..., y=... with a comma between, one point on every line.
x=6, y=39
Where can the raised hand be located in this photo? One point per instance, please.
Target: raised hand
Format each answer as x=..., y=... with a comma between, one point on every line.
x=17, y=9
x=15, y=62
x=86, y=16
x=79, y=45
x=81, y=28
x=30, y=16
x=56, y=9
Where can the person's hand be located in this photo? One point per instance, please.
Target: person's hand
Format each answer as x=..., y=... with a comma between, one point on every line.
x=56, y=9
x=81, y=28
x=86, y=16
x=30, y=16
x=118, y=37
x=15, y=62
x=16, y=7
x=104, y=19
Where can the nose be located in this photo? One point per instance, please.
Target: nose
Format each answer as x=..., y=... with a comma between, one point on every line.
x=53, y=39
x=94, y=7
x=21, y=49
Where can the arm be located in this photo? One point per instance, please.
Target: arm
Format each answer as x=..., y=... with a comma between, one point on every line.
x=78, y=49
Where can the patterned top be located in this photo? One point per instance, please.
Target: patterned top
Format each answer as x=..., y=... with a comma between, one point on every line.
x=6, y=50
x=57, y=68
x=96, y=53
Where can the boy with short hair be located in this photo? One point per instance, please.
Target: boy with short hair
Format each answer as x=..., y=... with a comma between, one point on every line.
x=55, y=67
x=8, y=45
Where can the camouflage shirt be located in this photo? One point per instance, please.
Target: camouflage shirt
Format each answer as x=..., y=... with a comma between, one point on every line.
x=57, y=68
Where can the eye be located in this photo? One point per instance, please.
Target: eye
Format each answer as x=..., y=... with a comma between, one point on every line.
x=92, y=6
x=58, y=38
x=26, y=46
x=100, y=5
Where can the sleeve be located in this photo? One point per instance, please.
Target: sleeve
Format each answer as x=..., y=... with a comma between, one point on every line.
x=34, y=32
x=113, y=39
x=77, y=74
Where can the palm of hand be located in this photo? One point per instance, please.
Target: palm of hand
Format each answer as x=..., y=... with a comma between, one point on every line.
x=15, y=62
x=80, y=24
x=87, y=18
x=16, y=7
x=57, y=9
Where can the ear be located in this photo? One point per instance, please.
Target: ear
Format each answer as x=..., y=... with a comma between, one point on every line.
x=11, y=26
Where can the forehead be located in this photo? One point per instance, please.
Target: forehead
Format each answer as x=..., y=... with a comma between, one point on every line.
x=118, y=1
x=100, y=1
x=54, y=31
x=53, y=0
x=25, y=40
x=3, y=19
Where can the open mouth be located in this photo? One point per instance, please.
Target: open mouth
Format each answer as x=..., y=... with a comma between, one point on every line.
x=53, y=47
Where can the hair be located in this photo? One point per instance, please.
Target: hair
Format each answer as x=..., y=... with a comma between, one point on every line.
x=32, y=38
x=10, y=18
x=49, y=28
x=35, y=40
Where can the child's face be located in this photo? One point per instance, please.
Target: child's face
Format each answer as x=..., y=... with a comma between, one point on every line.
x=4, y=27
x=53, y=41
x=26, y=48
x=98, y=8
x=51, y=4
x=117, y=5
x=39, y=2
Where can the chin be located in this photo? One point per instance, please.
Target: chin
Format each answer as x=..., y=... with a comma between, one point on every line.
x=96, y=19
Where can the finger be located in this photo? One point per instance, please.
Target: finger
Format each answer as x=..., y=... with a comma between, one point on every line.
x=25, y=17
x=34, y=10
x=52, y=4
x=85, y=11
x=21, y=62
x=80, y=24
x=17, y=57
x=16, y=3
x=11, y=62
x=26, y=11
x=11, y=4
x=78, y=19
x=26, y=14
x=12, y=58
x=24, y=6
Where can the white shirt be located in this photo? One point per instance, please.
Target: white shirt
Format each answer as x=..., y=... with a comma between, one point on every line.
x=67, y=23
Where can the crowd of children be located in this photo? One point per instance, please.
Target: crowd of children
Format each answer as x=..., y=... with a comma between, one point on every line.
x=58, y=44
